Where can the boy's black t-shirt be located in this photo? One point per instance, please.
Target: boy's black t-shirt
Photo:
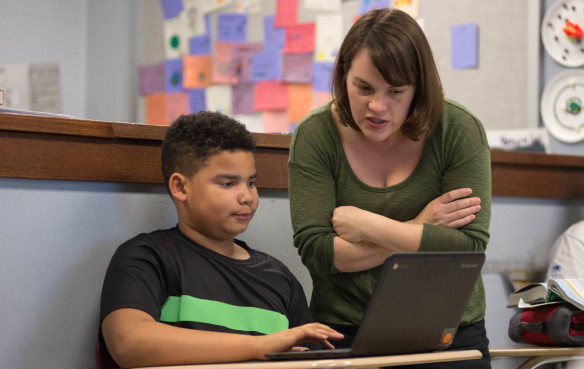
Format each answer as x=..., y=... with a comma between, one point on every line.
x=181, y=283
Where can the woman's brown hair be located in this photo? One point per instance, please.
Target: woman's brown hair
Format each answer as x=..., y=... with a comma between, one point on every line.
x=400, y=51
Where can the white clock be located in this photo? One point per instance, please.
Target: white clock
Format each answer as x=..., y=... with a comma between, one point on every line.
x=562, y=108
x=561, y=32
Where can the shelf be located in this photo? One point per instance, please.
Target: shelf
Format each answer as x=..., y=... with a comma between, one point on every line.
x=45, y=147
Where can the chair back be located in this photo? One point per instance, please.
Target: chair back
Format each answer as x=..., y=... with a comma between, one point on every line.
x=103, y=359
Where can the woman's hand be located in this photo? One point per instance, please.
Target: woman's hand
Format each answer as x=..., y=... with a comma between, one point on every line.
x=452, y=210
x=349, y=223
x=290, y=339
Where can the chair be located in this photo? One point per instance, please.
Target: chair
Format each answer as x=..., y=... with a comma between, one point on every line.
x=103, y=358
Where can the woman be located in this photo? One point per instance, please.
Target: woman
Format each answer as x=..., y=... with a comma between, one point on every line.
x=389, y=165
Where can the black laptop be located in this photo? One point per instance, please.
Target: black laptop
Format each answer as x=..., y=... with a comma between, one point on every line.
x=416, y=306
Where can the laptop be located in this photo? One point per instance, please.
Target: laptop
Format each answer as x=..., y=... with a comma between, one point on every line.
x=416, y=306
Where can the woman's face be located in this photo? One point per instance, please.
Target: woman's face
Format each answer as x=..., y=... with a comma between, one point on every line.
x=378, y=108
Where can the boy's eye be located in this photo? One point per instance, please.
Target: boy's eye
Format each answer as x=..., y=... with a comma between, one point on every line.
x=227, y=184
x=251, y=183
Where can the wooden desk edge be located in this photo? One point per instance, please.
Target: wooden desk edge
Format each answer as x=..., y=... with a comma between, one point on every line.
x=357, y=362
x=535, y=351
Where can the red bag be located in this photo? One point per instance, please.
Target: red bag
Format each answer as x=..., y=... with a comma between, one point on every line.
x=549, y=325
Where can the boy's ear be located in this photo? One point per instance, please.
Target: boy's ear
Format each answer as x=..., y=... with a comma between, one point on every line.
x=176, y=184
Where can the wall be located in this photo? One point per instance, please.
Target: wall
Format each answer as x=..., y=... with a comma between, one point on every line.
x=56, y=237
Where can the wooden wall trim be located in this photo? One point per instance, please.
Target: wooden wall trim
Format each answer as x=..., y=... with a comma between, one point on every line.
x=77, y=149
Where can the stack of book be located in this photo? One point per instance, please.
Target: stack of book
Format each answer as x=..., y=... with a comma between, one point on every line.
x=552, y=292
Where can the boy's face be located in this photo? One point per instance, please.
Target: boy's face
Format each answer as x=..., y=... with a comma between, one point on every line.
x=222, y=197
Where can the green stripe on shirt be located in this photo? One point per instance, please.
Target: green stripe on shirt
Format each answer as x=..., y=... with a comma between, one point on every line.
x=241, y=318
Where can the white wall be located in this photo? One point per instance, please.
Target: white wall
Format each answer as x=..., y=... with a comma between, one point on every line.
x=56, y=237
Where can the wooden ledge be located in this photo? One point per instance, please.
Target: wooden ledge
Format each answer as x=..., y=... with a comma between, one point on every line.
x=45, y=147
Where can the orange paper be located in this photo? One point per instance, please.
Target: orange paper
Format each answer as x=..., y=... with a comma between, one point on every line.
x=196, y=71
x=299, y=101
x=156, y=109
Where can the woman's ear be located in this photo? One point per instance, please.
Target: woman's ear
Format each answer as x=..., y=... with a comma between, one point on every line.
x=176, y=184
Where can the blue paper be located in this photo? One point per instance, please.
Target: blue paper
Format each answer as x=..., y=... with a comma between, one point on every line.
x=173, y=80
x=367, y=5
x=201, y=45
x=464, y=46
x=274, y=36
x=265, y=66
x=171, y=8
x=231, y=27
x=197, y=100
x=321, y=76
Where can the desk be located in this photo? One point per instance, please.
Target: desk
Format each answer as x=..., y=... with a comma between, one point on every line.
x=540, y=355
x=357, y=362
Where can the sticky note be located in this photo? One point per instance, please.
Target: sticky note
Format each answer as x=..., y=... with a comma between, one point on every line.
x=321, y=76
x=171, y=8
x=231, y=27
x=270, y=95
x=299, y=38
x=151, y=78
x=464, y=45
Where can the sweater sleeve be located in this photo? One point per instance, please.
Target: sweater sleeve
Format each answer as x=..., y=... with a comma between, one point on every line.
x=312, y=199
x=466, y=162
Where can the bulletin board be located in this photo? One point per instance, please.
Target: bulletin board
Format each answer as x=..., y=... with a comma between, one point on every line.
x=501, y=89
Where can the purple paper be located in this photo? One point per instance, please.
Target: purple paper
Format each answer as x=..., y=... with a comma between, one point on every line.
x=321, y=76
x=265, y=66
x=173, y=70
x=201, y=45
x=242, y=98
x=465, y=45
x=241, y=59
x=367, y=5
x=274, y=36
x=297, y=68
x=197, y=100
x=171, y=8
x=151, y=78
x=231, y=27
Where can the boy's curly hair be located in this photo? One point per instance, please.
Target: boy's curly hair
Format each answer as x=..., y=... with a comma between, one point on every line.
x=193, y=138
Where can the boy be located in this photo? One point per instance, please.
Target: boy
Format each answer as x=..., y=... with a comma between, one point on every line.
x=193, y=294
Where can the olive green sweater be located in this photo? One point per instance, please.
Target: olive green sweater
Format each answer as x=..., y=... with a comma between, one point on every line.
x=456, y=155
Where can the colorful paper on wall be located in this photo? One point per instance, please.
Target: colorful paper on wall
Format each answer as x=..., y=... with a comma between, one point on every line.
x=176, y=38
x=411, y=7
x=177, y=104
x=465, y=45
x=299, y=38
x=231, y=27
x=270, y=95
x=276, y=122
x=321, y=76
x=274, y=37
x=221, y=66
x=195, y=20
x=197, y=71
x=329, y=30
x=286, y=13
x=171, y=8
x=299, y=101
x=243, y=98
x=241, y=60
x=219, y=98
x=319, y=98
x=324, y=6
x=265, y=66
x=197, y=100
x=297, y=68
x=201, y=45
x=367, y=5
x=151, y=78
x=156, y=109
x=173, y=75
